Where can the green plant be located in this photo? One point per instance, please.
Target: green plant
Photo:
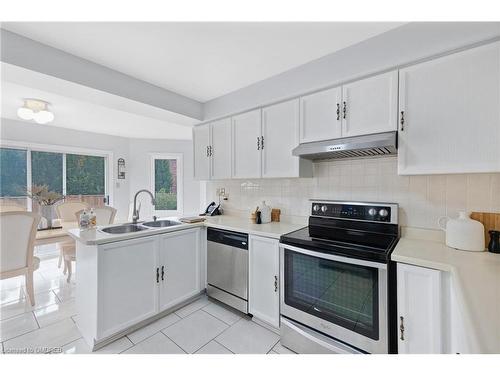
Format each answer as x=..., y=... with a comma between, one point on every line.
x=166, y=200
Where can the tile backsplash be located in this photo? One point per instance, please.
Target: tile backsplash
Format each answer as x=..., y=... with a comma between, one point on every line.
x=422, y=199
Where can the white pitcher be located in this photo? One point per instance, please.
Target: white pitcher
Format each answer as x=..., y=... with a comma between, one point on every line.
x=463, y=233
x=265, y=213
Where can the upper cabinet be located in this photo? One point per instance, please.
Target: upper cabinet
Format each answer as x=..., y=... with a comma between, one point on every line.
x=221, y=149
x=201, y=150
x=246, y=144
x=449, y=114
x=321, y=116
x=370, y=105
x=280, y=135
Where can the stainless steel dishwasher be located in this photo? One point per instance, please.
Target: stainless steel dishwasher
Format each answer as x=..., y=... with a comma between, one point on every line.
x=227, y=267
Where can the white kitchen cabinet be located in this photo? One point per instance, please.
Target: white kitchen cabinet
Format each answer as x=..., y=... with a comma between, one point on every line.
x=246, y=145
x=370, y=105
x=420, y=310
x=201, y=150
x=123, y=282
x=321, y=115
x=280, y=135
x=220, y=151
x=127, y=287
x=449, y=114
x=263, y=296
x=179, y=267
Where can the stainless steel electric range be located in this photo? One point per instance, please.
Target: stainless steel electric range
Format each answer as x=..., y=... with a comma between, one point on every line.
x=338, y=284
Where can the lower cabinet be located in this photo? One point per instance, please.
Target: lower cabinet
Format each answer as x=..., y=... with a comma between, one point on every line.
x=420, y=310
x=127, y=282
x=127, y=291
x=263, y=297
x=179, y=267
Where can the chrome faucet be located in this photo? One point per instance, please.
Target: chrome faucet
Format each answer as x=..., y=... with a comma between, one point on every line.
x=135, y=214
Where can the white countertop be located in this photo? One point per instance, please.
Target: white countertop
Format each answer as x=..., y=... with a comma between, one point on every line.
x=477, y=279
x=238, y=224
x=272, y=230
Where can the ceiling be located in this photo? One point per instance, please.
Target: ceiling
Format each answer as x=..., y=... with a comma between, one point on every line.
x=82, y=108
x=200, y=60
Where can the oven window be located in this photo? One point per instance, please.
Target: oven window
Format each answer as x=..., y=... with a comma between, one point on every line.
x=341, y=293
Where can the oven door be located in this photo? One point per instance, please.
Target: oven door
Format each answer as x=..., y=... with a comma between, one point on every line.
x=341, y=297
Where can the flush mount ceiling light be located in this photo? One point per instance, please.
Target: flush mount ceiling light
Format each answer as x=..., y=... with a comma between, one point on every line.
x=37, y=110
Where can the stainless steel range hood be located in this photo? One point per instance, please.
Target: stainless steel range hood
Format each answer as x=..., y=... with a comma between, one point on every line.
x=379, y=144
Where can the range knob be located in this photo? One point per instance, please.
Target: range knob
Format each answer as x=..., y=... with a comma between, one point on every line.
x=383, y=212
x=324, y=208
x=372, y=212
x=315, y=208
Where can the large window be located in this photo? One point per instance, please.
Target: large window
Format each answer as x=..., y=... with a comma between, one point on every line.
x=85, y=175
x=47, y=169
x=77, y=176
x=13, y=175
x=166, y=171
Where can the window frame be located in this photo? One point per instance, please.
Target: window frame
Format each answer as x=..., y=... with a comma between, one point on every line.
x=180, y=182
x=28, y=146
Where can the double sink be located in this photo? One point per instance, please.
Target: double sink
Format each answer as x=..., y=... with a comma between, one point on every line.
x=130, y=228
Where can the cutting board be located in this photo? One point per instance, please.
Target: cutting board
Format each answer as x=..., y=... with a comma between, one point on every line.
x=490, y=221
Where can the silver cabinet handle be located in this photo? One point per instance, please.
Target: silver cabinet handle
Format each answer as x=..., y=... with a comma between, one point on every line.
x=402, y=120
x=211, y=150
x=401, y=328
x=157, y=275
x=275, y=283
x=162, y=273
x=338, y=111
x=344, y=110
x=208, y=151
x=262, y=142
x=258, y=143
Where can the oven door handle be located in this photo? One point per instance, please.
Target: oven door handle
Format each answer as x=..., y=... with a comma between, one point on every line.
x=336, y=258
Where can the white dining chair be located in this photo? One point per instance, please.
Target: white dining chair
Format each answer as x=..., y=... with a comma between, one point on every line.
x=104, y=215
x=17, y=242
x=66, y=211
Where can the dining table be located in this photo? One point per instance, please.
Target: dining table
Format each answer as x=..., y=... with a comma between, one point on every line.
x=50, y=236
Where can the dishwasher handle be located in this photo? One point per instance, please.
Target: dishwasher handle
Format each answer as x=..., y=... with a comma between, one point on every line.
x=230, y=238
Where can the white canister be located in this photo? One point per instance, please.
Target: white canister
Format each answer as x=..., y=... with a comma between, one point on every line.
x=463, y=233
x=265, y=213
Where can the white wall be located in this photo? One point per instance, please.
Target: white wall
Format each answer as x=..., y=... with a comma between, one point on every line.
x=135, y=152
x=422, y=199
x=140, y=165
x=400, y=46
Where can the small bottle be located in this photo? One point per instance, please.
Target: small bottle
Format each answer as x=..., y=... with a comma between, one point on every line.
x=258, y=220
x=84, y=220
x=92, y=219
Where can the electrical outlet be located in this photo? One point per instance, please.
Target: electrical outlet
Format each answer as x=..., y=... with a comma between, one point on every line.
x=222, y=191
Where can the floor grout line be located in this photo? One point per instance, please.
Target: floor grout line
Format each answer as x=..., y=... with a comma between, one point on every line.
x=164, y=334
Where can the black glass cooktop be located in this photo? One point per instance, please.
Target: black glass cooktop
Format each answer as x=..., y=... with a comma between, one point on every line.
x=347, y=238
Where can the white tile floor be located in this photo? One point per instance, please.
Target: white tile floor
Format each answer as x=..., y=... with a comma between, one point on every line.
x=204, y=326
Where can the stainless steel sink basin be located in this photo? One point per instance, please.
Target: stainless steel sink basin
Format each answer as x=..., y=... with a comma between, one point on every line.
x=161, y=223
x=126, y=228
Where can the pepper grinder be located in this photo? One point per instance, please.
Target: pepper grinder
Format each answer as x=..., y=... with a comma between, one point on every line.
x=494, y=245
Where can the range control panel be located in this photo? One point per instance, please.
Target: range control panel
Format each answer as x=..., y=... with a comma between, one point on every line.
x=379, y=212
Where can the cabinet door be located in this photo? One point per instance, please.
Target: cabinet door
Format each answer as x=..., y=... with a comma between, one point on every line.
x=419, y=310
x=280, y=135
x=221, y=149
x=201, y=149
x=320, y=115
x=128, y=291
x=179, y=267
x=246, y=145
x=370, y=105
x=451, y=112
x=263, y=298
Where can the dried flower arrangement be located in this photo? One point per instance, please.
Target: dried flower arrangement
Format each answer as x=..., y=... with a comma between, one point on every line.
x=42, y=195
